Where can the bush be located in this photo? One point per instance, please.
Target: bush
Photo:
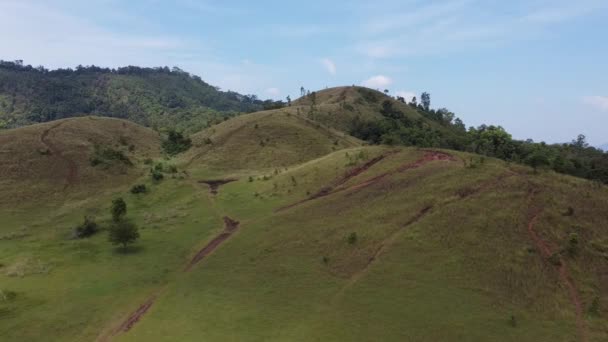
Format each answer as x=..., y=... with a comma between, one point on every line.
x=176, y=143
x=86, y=229
x=106, y=156
x=123, y=233
x=119, y=209
x=573, y=242
x=139, y=189
x=594, y=309
x=352, y=238
x=156, y=175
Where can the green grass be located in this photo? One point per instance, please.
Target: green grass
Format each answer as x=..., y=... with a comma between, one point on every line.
x=458, y=271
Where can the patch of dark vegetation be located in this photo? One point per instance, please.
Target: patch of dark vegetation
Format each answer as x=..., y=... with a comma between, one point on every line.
x=352, y=238
x=86, y=229
x=594, y=308
x=156, y=175
x=176, y=143
x=139, y=189
x=368, y=95
x=106, y=157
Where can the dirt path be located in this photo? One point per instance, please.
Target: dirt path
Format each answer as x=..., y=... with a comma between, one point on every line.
x=230, y=226
x=214, y=185
x=337, y=186
x=562, y=268
x=55, y=151
x=128, y=323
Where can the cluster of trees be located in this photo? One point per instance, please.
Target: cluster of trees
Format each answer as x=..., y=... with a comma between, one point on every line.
x=444, y=130
x=157, y=97
x=121, y=230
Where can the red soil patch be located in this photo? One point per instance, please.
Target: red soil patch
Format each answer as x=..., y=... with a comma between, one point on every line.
x=428, y=157
x=135, y=316
x=563, y=272
x=214, y=185
x=230, y=226
x=54, y=150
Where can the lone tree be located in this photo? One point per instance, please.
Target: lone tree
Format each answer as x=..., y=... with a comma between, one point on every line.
x=289, y=100
x=119, y=209
x=425, y=100
x=123, y=233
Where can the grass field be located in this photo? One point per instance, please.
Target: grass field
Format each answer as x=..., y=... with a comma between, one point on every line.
x=336, y=241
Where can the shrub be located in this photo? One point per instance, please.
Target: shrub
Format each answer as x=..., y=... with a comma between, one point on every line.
x=156, y=175
x=107, y=156
x=139, y=189
x=171, y=169
x=176, y=143
x=352, y=238
x=573, y=242
x=325, y=260
x=86, y=229
x=123, y=233
x=119, y=209
x=569, y=212
x=513, y=321
x=148, y=161
x=250, y=179
x=594, y=308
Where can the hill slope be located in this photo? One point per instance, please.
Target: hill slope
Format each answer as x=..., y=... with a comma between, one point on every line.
x=263, y=140
x=71, y=156
x=152, y=97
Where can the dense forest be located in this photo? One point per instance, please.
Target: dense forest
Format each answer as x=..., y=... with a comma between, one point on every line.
x=575, y=158
x=156, y=97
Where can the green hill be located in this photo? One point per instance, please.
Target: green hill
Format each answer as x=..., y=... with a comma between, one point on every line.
x=278, y=226
x=269, y=139
x=155, y=97
x=74, y=156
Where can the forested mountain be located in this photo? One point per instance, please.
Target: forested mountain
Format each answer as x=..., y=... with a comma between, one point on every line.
x=155, y=97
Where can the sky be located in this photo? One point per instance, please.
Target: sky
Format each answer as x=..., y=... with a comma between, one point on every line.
x=539, y=68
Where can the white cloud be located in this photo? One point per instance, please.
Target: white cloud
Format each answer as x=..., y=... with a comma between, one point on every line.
x=462, y=25
x=407, y=95
x=274, y=92
x=599, y=102
x=379, y=81
x=329, y=65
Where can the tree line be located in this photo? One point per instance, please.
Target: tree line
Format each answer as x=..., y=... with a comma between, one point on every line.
x=444, y=130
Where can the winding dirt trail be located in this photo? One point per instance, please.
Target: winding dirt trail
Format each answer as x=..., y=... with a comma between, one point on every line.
x=230, y=227
x=337, y=186
x=562, y=268
x=72, y=175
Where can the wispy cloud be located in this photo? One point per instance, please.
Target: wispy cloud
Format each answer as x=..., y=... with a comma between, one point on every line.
x=379, y=81
x=463, y=24
x=598, y=102
x=329, y=65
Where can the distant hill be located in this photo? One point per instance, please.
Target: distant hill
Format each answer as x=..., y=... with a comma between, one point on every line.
x=73, y=156
x=154, y=97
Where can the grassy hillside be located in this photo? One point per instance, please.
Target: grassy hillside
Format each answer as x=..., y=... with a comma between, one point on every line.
x=159, y=97
x=341, y=107
x=276, y=227
x=71, y=157
x=270, y=139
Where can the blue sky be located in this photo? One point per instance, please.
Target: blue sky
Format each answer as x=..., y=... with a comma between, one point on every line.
x=537, y=67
